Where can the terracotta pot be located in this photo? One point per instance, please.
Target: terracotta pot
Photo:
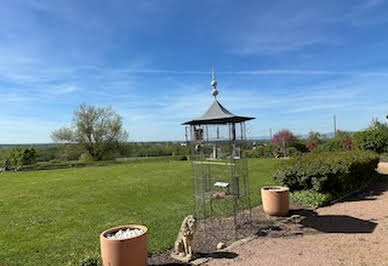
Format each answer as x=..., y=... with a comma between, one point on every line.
x=124, y=252
x=275, y=200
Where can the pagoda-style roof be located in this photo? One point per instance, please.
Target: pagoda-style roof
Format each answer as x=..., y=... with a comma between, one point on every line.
x=217, y=114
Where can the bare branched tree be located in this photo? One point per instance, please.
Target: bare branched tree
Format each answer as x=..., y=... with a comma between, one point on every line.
x=98, y=129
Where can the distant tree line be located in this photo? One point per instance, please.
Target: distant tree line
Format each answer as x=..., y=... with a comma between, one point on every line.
x=285, y=143
x=95, y=134
x=62, y=153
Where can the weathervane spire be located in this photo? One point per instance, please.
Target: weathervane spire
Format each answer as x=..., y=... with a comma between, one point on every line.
x=213, y=83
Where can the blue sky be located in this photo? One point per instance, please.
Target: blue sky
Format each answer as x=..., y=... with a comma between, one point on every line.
x=291, y=64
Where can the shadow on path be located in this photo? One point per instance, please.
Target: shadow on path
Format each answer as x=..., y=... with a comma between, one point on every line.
x=213, y=255
x=370, y=193
x=217, y=255
x=334, y=223
x=169, y=263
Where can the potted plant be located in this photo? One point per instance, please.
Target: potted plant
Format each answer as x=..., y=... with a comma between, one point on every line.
x=124, y=245
x=275, y=200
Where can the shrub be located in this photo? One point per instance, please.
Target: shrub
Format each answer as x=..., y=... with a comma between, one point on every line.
x=346, y=140
x=347, y=144
x=384, y=157
x=26, y=156
x=69, y=152
x=265, y=151
x=86, y=158
x=372, y=139
x=300, y=146
x=311, y=198
x=284, y=136
x=110, y=156
x=334, y=172
x=330, y=146
x=292, y=151
x=283, y=139
x=375, y=138
x=313, y=140
x=19, y=156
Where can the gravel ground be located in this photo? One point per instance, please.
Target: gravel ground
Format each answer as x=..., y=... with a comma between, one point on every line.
x=222, y=230
x=353, y=232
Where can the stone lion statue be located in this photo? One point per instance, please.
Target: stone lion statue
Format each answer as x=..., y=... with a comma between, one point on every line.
x=182, y=248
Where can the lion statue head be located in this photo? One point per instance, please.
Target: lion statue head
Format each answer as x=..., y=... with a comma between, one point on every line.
x=188, y=225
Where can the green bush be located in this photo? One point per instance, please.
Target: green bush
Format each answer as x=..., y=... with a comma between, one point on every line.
x=265, y=151
x=374, y=138
x=311, y=198
x=329, y=146
x=384, y=157
x=18, y=157
x=333, y=172
x=85, y=158
x=300, y=146
x=292, y=152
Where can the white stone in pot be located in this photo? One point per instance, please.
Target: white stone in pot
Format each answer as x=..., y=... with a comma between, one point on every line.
x=124, y=234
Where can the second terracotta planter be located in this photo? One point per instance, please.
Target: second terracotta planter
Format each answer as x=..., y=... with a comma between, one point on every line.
x=275, y=200
x=124, y=252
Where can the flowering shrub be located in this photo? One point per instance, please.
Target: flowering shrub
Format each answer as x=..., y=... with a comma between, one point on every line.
x=283, y=136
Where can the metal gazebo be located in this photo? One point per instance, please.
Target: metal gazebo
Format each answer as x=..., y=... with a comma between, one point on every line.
x=217, y=141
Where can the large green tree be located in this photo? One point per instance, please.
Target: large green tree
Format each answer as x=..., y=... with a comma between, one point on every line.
x=374, y=138
x=98, y=129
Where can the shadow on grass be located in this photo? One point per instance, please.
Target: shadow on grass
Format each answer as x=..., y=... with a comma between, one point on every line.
x=334, y=223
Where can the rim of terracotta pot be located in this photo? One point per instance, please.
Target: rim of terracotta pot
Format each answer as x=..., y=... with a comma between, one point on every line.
x=128, y=226
x=283, y=189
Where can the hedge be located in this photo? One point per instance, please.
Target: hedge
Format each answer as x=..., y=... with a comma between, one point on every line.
x=328, y=172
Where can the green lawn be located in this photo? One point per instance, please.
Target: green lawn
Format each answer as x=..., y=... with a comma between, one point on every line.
x=50, y=217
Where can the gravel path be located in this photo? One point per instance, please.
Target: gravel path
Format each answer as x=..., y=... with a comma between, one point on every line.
x=354, y=232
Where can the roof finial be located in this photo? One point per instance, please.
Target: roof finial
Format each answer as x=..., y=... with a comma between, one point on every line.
x=213, y=83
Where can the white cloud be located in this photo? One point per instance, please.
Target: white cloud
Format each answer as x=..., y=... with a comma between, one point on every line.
x=63, y=89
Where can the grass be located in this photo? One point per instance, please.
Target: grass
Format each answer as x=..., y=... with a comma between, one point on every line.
x=51, y=217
